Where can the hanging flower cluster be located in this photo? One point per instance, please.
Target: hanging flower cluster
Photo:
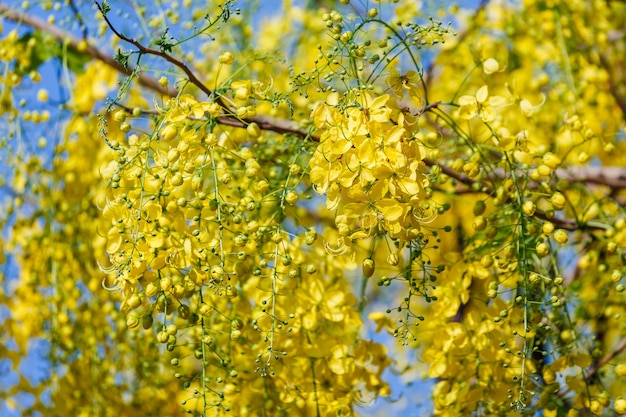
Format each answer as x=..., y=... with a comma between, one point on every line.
x=369, y=164
x=195, y=230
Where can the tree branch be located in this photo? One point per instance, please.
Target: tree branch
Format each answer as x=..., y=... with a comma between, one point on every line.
x=73, y=41
x=150, y=51
x=619, y=349
x=595, y=175
x=264, y=122
x=590, y=373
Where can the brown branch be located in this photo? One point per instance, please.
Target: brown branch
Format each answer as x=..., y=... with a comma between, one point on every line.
x=590, y=373
x=75, y=42
x=619, y=349
x=273, y=124
x=539, y=214
x=150, y=51
x=612, y=177
x=264, y=122
x=462, y=178
x=428, y=107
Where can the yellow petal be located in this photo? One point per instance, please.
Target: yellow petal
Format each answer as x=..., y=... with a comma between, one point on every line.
x=482, y=94
x=527, y=108
x=391, y=209
x=490, y=66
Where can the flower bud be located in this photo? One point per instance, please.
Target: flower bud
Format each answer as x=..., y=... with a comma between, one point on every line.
x=479, y=207
x=529, y=208
x=542, y=249
x=253, y=129
x=368, y=265
x=547, y=228
x=168, y=132
x=558, y=201
x=393, y=259
x=480, y=223
x=560, y=236
x=551, y=160
x=226, y=58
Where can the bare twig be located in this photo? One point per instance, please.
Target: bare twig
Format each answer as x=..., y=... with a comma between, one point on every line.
x=150, y=51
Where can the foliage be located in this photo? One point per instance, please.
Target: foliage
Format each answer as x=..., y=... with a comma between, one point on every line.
x=202, y=217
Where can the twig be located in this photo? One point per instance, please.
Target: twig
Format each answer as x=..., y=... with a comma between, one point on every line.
x=264, y=122
x=150, y=51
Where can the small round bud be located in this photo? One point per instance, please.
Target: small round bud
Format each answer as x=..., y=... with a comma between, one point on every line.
x=558, y=201
x=529, y=208
x=291, y=198
x=542, y=249
x=368, y=265
x=226, y=58
x=560, y=236
x=480, y=223
x=479, y=208
x=253, y=129
x=547, y=228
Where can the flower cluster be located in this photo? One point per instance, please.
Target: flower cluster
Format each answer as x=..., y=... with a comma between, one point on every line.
x=369, y=165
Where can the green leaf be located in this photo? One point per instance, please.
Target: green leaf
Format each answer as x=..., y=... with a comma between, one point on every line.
x=47, y=47
x=42, y=50
x=105, y=8
x=76, y=60
x=122, y=58
x=165, y=42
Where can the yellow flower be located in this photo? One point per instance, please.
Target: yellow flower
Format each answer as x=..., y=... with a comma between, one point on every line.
x=401, y=83
x=375, y=108
x=490, y=66
x=480, y=104
x=242, y=89
x=226, y=58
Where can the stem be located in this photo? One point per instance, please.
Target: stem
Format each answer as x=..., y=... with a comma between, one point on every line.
x=150, y=51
